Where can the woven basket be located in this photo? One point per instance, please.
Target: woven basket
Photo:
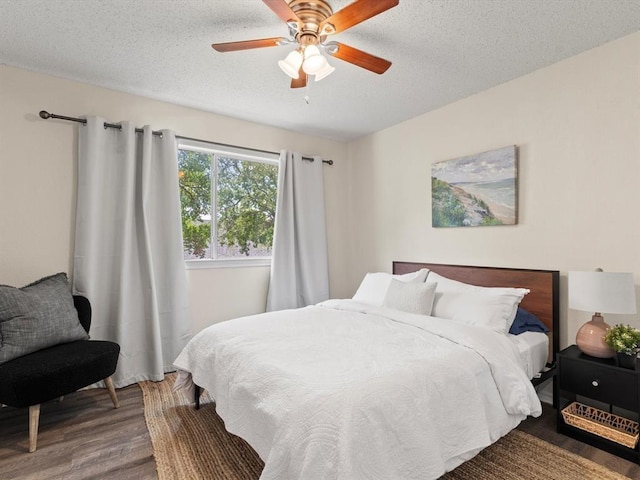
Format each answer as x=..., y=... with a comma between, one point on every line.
x=612, y=427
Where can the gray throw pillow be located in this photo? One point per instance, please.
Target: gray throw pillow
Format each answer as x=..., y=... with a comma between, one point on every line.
x=37, y=316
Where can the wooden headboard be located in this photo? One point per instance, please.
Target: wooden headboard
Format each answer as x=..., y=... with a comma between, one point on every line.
x=543, y=300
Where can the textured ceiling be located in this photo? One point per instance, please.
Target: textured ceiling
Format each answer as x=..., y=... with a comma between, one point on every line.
x=442, y=51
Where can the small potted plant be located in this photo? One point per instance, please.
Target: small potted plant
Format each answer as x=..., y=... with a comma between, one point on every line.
x=625, y=341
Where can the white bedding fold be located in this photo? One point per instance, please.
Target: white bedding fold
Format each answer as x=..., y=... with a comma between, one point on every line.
x=342, y=390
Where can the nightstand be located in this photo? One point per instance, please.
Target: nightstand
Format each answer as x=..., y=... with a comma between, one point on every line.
x=597, y=382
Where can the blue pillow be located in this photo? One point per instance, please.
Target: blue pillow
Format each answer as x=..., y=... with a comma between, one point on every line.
x=526, y=322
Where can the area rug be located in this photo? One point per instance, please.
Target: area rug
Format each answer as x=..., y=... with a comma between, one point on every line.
x=193, y=444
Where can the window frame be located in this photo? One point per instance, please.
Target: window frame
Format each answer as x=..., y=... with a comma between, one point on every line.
x=237, y=153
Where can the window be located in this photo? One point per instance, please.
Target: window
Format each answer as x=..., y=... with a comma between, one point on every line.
x=228, y=202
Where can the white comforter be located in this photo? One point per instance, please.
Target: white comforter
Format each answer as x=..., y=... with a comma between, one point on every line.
x=342, y=390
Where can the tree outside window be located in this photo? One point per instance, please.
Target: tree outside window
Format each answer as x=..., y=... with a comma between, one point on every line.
x=228, y=202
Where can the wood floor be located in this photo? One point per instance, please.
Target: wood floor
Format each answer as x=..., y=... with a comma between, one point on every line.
x=84, y=437
x=81, y=438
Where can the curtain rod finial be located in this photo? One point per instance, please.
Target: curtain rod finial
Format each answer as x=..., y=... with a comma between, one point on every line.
x=44, y=114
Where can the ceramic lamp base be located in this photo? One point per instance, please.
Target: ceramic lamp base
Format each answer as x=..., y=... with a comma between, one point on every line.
x=590, y=338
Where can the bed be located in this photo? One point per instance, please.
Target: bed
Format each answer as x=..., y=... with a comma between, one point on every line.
x=350, y=389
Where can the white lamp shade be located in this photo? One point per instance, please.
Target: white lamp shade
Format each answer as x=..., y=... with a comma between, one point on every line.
x=291, y=64
x=324, y=72
x=313, y=60
x=602, y=292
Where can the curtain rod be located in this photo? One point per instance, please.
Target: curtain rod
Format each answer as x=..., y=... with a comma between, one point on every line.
x=46, y=115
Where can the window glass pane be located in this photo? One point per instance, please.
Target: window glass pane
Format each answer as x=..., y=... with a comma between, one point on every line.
x=228, y=202
x=245, y=207
x=195, y=196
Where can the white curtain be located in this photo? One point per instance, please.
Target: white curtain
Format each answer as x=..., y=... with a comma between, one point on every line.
x=299, y=265
x=128, y=257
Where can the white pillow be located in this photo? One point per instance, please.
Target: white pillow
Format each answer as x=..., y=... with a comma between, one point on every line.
x=374, y=286
x=491, y=307
x=487, y=309
x=410, y=297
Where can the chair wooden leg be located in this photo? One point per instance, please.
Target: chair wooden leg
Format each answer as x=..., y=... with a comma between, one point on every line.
x=34, y=419
x=112, y=392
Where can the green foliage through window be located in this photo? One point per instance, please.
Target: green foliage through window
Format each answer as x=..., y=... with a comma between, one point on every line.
x=195, y=198
x=228, y=203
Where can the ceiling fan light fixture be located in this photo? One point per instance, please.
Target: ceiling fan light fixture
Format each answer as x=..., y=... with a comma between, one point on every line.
x=291, y=64
x=324, y=72
x=313, y=60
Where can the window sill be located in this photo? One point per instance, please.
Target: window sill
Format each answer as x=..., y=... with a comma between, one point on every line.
x=228, y=263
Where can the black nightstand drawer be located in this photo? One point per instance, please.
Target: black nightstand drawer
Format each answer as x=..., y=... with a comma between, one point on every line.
x=600, y=382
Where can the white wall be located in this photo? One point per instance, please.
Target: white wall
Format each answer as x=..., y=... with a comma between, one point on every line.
x=37, y=183
x=577, y=126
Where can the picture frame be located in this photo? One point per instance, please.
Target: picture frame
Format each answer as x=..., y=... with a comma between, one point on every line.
x=476, y=190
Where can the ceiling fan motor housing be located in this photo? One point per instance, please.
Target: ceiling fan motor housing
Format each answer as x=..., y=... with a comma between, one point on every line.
x=312, y=15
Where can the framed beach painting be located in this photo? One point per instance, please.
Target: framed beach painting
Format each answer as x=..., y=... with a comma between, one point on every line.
x=477, y=190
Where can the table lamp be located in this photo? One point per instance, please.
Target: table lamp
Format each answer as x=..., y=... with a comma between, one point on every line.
x=600, y=292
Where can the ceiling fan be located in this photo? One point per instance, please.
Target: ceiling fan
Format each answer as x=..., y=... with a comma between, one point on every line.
x=310, y=22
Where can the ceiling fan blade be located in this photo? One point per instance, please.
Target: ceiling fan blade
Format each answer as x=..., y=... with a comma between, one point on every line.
x=354, y=13
x=282, y=10
x=247, y=44
x=359, y=58
x=301, y=81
